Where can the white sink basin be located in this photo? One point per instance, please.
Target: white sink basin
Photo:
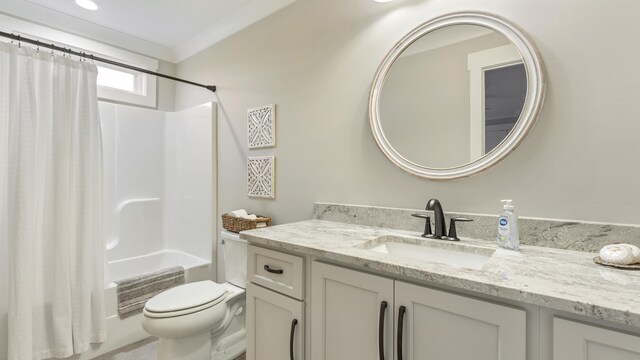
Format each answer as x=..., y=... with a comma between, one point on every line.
x=439, y=251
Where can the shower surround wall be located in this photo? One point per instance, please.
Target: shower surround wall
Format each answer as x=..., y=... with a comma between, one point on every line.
x=158, y=175
x=133, y=141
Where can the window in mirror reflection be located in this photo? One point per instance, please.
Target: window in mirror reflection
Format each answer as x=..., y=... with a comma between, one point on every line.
x=505, y=89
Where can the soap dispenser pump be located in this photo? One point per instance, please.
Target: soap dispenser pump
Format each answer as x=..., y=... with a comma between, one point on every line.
x=508, y=235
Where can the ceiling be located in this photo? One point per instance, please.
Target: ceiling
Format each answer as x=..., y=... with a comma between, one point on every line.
x=166, y=29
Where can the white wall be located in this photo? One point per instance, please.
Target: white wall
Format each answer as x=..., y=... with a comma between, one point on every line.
x=4, y=290
x=316, y=60
x=166, y=88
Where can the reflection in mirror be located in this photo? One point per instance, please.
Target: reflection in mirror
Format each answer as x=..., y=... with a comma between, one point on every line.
x=452, y=96
x=505, y=89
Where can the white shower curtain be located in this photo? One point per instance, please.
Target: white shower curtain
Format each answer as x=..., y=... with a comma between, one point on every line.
x=50, y=204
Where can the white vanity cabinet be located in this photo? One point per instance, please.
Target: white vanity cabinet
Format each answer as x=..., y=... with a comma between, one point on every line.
x=577, y=341
x=350, y=311
x=356, y=315
x=275, y=325
x=347, y=305
x=275, y=305
x=438, y=325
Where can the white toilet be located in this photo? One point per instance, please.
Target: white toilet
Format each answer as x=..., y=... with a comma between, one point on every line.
x=203, y=320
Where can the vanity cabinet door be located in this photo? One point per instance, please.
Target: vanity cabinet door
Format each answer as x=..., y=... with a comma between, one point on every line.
x=438, y=325
x=576, y=341
x=275, y=325
x=349, y=316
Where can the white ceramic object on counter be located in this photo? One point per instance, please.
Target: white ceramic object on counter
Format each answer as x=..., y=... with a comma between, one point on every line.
x=620, y=254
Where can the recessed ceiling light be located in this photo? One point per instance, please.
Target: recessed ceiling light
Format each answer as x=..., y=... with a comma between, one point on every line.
x=87, y=4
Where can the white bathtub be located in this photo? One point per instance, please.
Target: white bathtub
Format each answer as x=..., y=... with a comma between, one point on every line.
x=128, y=331
x=120, y=269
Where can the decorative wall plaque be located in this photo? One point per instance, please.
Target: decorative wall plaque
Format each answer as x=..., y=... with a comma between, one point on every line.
x=261, y=127
x=261, y=177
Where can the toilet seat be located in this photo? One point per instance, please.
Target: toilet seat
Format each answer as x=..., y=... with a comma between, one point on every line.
x=185, y=299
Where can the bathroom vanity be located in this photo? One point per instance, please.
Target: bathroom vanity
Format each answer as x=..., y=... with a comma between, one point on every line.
x=325, y=290
x=365, y=285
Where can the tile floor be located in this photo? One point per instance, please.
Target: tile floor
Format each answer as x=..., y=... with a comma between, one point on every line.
x=142, y=350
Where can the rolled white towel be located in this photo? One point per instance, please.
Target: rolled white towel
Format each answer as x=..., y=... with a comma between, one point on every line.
x=622, y=254
x=239, y=213
x=250, y=217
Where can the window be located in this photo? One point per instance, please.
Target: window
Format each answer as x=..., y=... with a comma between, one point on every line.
x=127, y=86
x=116, y=79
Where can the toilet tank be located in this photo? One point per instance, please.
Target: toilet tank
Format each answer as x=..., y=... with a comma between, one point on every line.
x=235, y=258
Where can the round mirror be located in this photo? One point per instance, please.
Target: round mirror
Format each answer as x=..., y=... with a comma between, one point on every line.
x=456, y=95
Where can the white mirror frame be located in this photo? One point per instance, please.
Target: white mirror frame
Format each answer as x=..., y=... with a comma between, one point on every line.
x=536, y=86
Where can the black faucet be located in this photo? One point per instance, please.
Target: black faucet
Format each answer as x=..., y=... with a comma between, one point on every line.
x=440, y=225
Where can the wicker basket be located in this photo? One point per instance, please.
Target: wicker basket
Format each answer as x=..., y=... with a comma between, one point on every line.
x=237, y=224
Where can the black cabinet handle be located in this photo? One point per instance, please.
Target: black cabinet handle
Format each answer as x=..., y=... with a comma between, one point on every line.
x=293, y=332
x=383, y=311
x=273, y=271
x=401, y=312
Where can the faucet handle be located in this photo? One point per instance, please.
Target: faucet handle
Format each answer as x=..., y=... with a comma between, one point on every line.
x=427, y=225
x=453, y=235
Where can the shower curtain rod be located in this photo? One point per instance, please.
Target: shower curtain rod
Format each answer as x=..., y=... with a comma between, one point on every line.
x=91, y=57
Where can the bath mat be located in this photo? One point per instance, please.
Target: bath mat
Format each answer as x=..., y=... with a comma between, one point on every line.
x=133, y=292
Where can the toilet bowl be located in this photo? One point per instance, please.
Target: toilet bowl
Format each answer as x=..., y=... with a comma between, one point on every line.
x=189, y=319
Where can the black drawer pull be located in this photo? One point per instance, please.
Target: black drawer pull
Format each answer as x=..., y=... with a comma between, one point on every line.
x=273, y=271
x=401, y=312
x=383, y=311
x=293, y=332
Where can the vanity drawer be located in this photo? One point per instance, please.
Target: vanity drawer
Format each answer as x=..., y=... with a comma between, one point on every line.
x=278, y=271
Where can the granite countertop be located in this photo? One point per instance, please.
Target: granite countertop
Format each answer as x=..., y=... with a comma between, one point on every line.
x=558, y=279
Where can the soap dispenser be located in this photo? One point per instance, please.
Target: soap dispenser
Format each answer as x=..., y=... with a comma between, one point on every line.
x=508, y=235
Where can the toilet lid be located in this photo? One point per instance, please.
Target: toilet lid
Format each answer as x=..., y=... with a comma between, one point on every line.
x=185, y=297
